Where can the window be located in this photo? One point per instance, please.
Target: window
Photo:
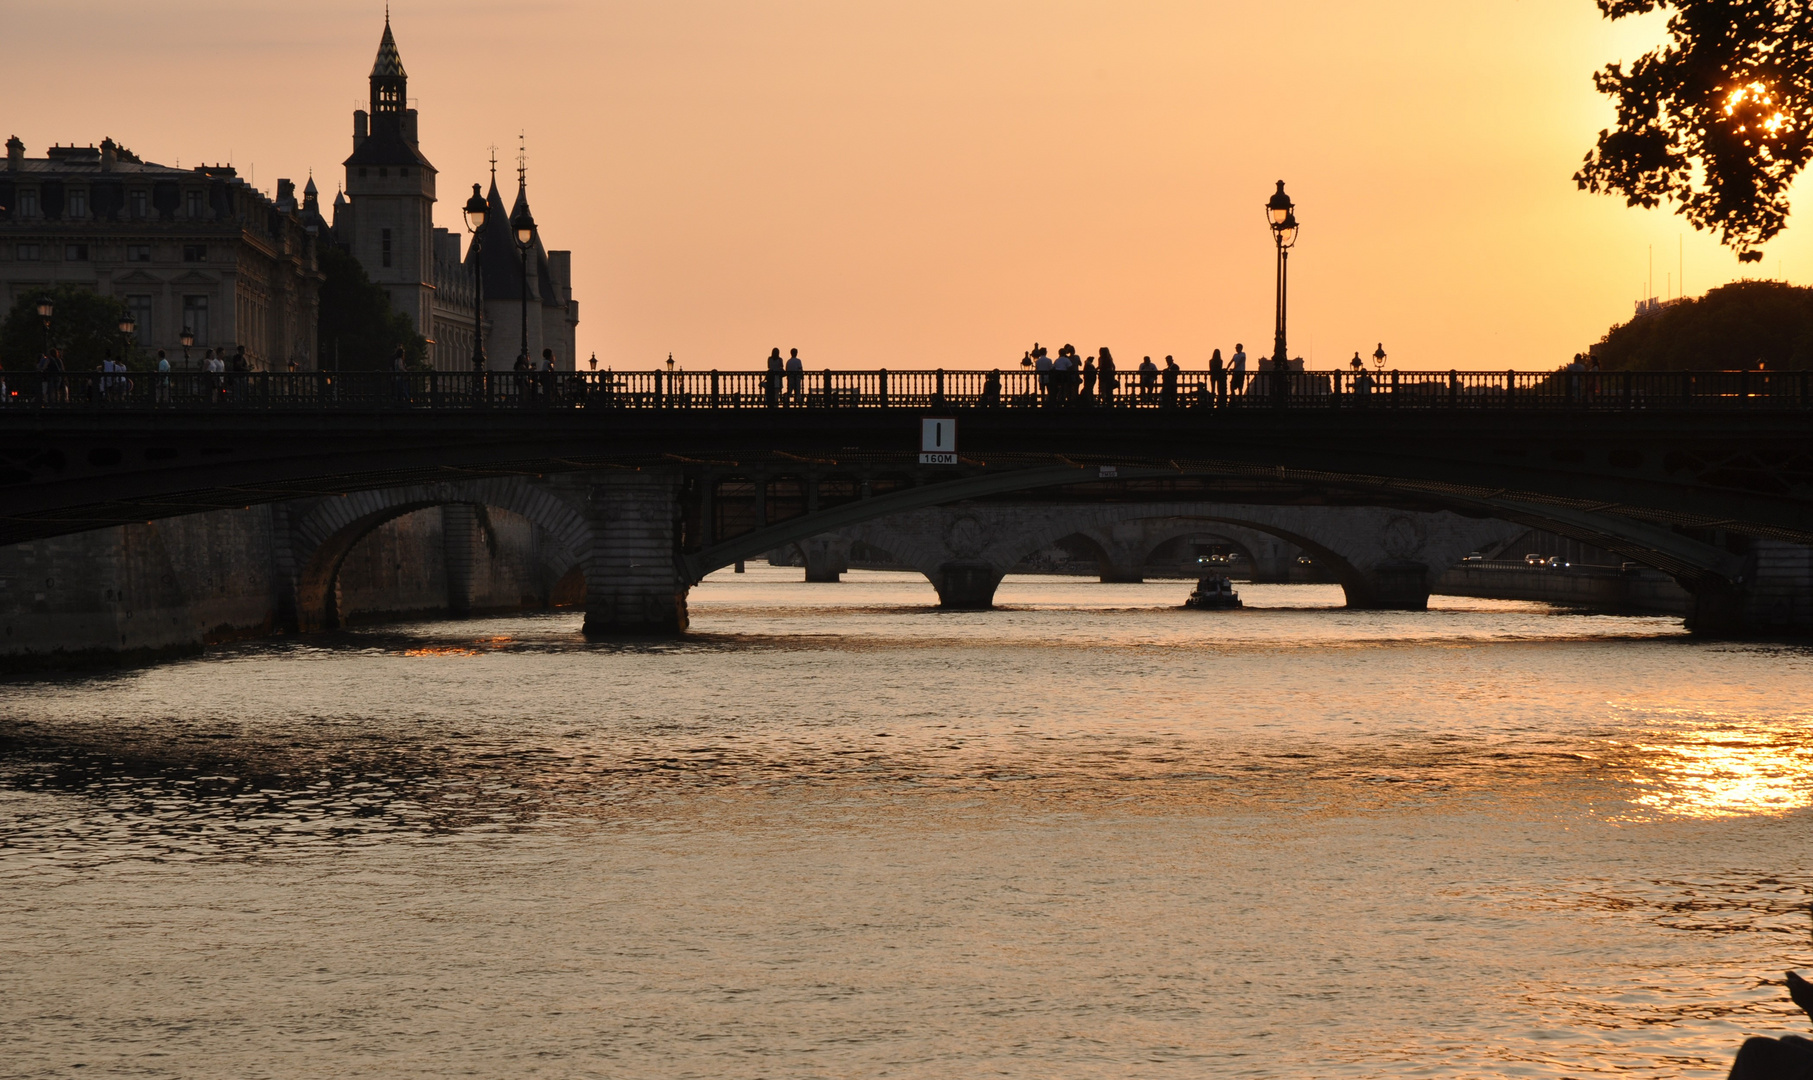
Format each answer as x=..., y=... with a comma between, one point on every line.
x=140, y=307
x=382, y=171
x=195, y=253
x=75, y=252
x=195, y=318
x=386, y=247
x=192, y=205
x=139, y=202
x=404, y=171
x=27, y=253
x=138, y=252
x=78, y=204
x=28, y=202
x=361, y=172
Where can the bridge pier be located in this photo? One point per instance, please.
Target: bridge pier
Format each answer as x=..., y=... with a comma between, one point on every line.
x=1399, y=585
x=827, y=558
x=966, y=586
x=1774, y=598
x=459, y=542
x=632, y=583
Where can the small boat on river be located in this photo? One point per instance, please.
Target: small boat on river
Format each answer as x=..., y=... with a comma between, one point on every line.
x=1213, y=593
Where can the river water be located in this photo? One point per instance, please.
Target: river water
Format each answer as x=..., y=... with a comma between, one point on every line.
x=837, y=833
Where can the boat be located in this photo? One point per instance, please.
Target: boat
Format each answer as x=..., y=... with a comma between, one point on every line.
x=1213, y=593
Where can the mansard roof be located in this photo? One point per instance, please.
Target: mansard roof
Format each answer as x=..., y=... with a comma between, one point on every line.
x=387, y=146
x=389, y=63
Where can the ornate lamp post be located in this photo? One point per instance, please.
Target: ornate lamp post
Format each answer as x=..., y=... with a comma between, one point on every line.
x=46, y=307
x=188, y=339
x=1378, y=357
x=525, y=235
x=127, y=325
x=475, y=224
x=1280, y=213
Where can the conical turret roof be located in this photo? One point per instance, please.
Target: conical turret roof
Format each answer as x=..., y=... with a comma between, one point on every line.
x=389, y=63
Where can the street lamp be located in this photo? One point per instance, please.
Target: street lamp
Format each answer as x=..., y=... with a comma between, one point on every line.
x=127, y=326
x=476, y=209
x=1280, y=214
x=1378, y=357
x=525, y=235
x=188, y=339
x=45, y=307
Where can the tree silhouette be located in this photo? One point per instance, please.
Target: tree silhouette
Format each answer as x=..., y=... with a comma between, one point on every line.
x=1719, y=121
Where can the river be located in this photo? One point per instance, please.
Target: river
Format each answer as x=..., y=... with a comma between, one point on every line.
x=838, y=833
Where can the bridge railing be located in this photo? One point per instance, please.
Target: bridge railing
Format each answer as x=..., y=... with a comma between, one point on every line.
x=921, y=390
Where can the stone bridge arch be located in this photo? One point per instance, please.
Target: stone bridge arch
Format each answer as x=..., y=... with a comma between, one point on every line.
x=1382, y=557
x=324, y=532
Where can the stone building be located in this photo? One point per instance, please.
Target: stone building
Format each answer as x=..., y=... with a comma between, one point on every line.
x=197, y=248
x=385, y=217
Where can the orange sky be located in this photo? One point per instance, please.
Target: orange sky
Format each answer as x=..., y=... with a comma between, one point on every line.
x=931, y=183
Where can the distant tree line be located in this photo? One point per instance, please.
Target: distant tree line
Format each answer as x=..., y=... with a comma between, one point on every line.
x=1733, y=327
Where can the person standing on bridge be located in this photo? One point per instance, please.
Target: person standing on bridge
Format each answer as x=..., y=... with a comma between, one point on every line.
x=1218, y=378
x=1106, y=377
x=771, y=382
x=1239, y=378
x=796, y=377
x=991, y=389
x=1089, y=374
x=1148, y=378
x=1167, y=397
x=1041, y=364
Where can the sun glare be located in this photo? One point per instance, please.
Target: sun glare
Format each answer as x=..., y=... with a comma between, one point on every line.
x=1757, y=100
x=1727, y=773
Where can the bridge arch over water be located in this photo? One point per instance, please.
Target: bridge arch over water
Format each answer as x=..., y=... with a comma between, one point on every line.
x=324, y=532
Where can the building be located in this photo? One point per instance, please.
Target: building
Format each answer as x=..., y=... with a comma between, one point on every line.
x=385, y=217
x=199, y=249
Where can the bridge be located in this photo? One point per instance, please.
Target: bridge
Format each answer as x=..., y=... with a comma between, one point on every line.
x=668, y=476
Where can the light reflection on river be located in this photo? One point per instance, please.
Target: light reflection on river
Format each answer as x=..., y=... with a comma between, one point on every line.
x=838, y=833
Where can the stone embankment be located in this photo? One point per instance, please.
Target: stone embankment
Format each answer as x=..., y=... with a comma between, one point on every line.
x=172, y=587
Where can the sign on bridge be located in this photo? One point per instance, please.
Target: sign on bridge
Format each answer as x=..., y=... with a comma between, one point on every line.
x=937, y=442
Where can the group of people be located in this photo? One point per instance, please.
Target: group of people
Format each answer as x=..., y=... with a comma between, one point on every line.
x=1066, y=379
x=790, y=373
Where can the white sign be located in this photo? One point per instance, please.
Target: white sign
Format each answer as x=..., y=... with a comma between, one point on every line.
x=938, y=442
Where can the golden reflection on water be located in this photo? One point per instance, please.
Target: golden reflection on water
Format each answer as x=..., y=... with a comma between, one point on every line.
x=1728, y=770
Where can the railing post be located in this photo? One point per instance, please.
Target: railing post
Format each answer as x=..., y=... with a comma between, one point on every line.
x=714, y=388
x=1453, y=388
x=1510, y=388
x=938, y=391
x=827, y=388
x=1394, y=388
x=1628, y=395
x=883, y=392
x=657, y=398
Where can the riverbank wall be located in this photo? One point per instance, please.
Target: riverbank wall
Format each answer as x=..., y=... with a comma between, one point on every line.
x=140, y=593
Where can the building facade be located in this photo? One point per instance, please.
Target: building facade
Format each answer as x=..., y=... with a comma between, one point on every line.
x=385, y=218
x=198, y=249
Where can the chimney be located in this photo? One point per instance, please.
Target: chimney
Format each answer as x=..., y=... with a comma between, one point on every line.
x=15, y=154
x=361, y=128
x=109, y=155
x=286, y=195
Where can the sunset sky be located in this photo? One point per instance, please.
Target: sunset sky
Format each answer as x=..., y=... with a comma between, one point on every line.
x=933, y=183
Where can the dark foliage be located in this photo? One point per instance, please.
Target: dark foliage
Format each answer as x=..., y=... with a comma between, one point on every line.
x=84, y=324
x=358, y=321
x=1732, y=327
x=1719, y=122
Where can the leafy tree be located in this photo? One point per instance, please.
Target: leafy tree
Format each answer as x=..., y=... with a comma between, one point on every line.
x=357, y=319
x=1732, y=327
x=1719, y=122
x=84, y=324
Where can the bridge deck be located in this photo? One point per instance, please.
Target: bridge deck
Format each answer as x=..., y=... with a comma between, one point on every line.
x=1013, y=389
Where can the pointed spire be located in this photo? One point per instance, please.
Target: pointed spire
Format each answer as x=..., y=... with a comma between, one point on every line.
x=389, y=63
x=310, y=189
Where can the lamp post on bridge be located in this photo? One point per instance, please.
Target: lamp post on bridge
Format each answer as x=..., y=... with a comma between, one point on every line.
x=476, y=209
x=46, y=308
x=1280, y=213
x=525, y=235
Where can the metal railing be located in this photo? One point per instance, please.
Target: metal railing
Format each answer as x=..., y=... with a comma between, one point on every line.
x=918, y=390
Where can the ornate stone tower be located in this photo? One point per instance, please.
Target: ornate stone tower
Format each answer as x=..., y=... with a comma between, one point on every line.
x=390, y=185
